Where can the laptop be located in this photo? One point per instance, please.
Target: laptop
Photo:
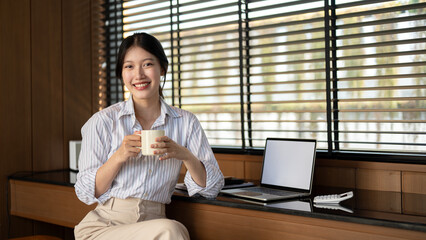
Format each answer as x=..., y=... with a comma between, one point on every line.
x=287, y=171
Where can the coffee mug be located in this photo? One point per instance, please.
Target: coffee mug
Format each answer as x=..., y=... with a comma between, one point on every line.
x=147, y=139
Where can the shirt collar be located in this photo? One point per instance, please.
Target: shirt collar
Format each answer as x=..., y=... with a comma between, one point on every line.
x=128, y=108
x=166, y=110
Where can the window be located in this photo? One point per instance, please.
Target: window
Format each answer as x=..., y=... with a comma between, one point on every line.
x=379, y=76
x=351, y=74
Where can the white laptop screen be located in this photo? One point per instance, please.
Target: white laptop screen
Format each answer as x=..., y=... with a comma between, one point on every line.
x=288, y=163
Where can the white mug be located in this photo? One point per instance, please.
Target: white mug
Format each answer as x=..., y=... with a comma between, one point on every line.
x=147, y=139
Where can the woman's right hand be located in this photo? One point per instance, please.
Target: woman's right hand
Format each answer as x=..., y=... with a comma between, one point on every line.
x=129, y=147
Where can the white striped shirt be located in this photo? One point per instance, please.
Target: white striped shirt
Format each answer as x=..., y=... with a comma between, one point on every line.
x=143, y=177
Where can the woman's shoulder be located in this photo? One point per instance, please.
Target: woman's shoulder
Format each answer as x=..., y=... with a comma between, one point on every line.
x=110, y=113
x=179, y=112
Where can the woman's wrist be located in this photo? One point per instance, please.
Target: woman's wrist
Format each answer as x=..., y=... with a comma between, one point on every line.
x=189, y=158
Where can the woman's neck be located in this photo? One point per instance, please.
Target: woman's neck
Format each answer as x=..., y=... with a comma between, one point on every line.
x=147, y=111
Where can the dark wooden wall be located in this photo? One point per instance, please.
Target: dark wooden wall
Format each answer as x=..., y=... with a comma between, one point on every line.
x=45, y=92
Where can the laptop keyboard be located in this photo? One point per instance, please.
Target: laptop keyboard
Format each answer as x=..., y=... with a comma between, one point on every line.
x=272, y=191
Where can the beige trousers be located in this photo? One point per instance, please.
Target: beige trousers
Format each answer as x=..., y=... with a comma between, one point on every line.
x=130, y=218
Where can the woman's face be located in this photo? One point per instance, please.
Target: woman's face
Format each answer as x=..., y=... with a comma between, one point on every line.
x=141, y=74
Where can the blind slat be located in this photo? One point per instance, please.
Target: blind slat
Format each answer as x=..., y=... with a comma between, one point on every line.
x=381, y=33
x=382, y=44
x=382, y=10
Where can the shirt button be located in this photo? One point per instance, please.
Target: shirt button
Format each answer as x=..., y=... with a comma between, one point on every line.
x=150, y=171
x=145, y=195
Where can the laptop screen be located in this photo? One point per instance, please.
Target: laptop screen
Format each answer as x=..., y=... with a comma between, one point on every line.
x=289, y=163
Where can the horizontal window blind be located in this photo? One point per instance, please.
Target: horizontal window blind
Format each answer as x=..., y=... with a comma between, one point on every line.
x=348, y=73
x=380, y=79
x=114, y=36
x=285, y=78
x=208, y=67
x=152, y=17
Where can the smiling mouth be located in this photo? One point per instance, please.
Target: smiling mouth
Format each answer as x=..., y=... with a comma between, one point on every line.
x=141, y=85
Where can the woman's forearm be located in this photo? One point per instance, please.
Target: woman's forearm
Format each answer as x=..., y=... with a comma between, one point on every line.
x=197, y=170
x=105, y=175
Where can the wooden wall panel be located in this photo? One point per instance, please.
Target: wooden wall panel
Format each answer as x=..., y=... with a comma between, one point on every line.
x=414, y=182
x=253, y=170
x=46, y=71
x=381, y=180
x=413, y=203
x=334, y=176
x=383, y=201
x=39, y=201
x=77, y=85
x=42, y=43
x=242, y=166
x=238, y=157
x=15, y=101
x=15, y=88
x=371, y=165
x=216, y=222
x=232, y=168
x=338, y=173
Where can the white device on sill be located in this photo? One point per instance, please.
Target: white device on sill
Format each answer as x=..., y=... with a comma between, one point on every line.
x=75, y=146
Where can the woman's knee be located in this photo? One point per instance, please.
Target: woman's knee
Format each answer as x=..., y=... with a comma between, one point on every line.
x=171, y=229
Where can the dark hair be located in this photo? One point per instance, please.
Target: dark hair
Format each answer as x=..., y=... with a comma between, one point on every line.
x=148, y=43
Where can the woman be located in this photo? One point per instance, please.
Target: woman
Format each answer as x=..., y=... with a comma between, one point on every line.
x=130, y=188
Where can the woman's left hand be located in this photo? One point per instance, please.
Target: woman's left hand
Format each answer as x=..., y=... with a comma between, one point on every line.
x=170, y=149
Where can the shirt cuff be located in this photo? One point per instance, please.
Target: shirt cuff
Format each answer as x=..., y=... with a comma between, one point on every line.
x=214, y=182
x=85, y=189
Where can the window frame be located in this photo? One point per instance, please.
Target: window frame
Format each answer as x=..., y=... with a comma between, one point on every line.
x=332, y=108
